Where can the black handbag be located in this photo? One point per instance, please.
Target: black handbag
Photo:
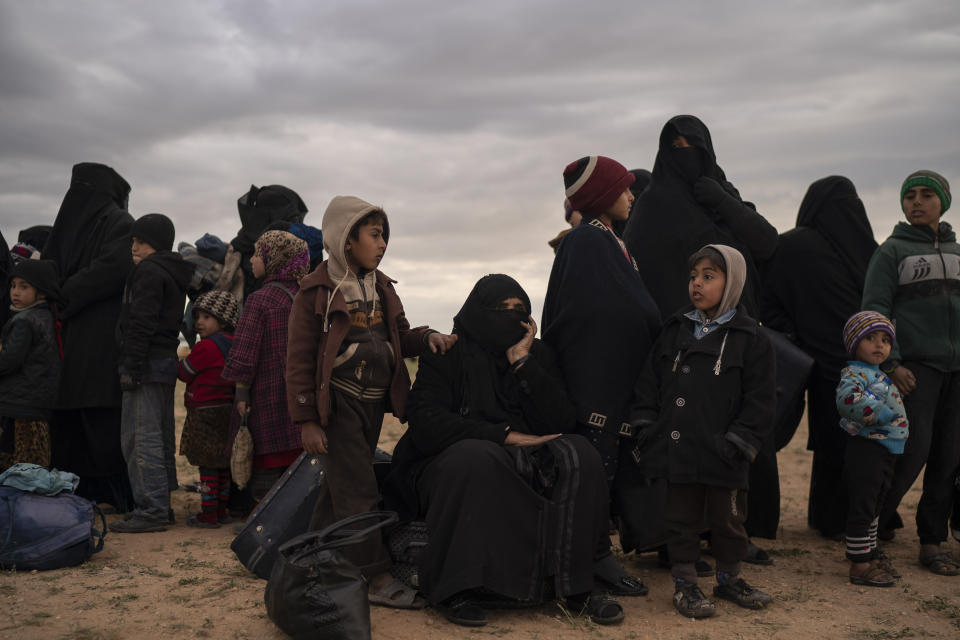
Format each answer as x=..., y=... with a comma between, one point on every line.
x=284, y=513
x=314, y=591
x=793, y=366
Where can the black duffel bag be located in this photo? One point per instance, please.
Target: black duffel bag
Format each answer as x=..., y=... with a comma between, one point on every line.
x=314, y=591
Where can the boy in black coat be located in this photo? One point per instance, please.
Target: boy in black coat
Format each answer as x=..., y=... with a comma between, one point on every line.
x=153, y=304
x=703, y=408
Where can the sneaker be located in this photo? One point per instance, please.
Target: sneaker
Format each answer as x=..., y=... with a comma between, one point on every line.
x=171, y=518
x=690, y=601
x=743, y=594
x=138, y=524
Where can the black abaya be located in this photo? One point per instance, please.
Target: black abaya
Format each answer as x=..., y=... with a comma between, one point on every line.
x=813, y=284
x=500, y=519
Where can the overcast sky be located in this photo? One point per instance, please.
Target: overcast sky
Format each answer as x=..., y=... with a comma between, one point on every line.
x=458, y=117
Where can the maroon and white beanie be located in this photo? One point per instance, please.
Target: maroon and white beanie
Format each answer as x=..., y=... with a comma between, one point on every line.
x=594, y=183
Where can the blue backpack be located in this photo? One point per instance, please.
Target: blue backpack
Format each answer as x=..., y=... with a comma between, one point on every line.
x=47, y=532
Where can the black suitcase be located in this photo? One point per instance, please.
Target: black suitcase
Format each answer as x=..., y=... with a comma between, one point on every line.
x=286, y=510
x=284, y=513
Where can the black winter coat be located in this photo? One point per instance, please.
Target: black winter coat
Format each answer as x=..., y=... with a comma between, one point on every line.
x=700, y=426
x=153, y=302
x=440, y=415
x=29, y=364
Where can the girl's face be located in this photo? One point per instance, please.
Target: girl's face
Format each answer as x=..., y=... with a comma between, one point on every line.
x=621, y=208
x=206, y=324
x=22, y=293
x=511, y=304
x=875, y=348
x=922, y=206
x=707, y=283
x=258, y=267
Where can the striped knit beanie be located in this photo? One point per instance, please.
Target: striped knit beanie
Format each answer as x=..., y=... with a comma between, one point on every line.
x=932, y=179
x=862, y=324
x=222, y=305
x=594, y=183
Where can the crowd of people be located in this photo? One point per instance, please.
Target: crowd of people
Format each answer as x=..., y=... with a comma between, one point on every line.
x=648, y=406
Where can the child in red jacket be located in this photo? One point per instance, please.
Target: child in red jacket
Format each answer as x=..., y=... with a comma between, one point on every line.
x=209, y=399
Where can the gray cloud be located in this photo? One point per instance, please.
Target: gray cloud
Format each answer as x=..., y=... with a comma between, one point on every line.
x=459, y=118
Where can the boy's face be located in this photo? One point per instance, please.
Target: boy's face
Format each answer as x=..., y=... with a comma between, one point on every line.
x=707, y=283
x=140, y=250
x=921, y=206
x=621, y=208
x=366, y=252
x=22, y=293
x=206, y=324
x=875, y=348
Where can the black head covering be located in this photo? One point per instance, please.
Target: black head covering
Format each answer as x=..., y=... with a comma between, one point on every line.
x=94, y=188
x=641, y=178
x=35, y=236
x=484, y=334
x=832, y=207
x=261, y=206
x=42, y=274
x=687, y=163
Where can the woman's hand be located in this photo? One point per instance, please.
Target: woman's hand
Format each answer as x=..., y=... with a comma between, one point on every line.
x=516, y=439
x=441, y=341
x=904, y=379
x=314, y=438
x=522, y=348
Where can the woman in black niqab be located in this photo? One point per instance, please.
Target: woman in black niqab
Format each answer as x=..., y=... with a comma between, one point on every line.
x=690, y=203
x=516, y=512
x=813, y=284
x=90, y=242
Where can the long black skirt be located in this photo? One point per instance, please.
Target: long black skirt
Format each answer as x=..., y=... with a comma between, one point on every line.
x=521, y=522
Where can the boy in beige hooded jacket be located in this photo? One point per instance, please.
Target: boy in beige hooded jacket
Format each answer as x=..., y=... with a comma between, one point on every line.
x=348, y=336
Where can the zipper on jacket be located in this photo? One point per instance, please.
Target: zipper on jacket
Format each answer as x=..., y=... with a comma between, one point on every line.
x=946, y=291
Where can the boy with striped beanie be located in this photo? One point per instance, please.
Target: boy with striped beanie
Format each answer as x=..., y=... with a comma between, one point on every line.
x=871, y=411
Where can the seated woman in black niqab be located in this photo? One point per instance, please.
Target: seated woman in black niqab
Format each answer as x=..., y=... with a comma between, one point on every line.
x=515, y=506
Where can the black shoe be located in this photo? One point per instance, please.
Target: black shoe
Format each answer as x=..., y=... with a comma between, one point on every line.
x=690, y=601
x=464, y=612
x=756, y=555
x=611, y=577
x=138, y=524
x=601, y=608
x=743, y=594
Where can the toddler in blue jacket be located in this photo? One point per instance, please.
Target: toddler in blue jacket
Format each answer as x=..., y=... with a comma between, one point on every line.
x=871, y=411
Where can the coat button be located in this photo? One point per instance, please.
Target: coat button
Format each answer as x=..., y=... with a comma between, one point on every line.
x=301, y=399
x=685, y=369
x=705, y=330
x=680, y=402
x=675, y=434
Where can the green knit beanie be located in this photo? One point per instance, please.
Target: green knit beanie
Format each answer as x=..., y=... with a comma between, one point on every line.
x=932, y=179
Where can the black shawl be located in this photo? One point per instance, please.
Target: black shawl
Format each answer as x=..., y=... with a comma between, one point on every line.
x=600, y=320
x=94, y=190
x=815, y=280
x=668, y=224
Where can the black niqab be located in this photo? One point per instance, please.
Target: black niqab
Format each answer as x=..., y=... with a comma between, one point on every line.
x=832, y=207
x=94, y=189
x=484, y=334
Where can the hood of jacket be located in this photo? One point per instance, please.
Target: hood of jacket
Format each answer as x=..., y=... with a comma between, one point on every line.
x=170, y=261
x=342, y=213
x=913, y=233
